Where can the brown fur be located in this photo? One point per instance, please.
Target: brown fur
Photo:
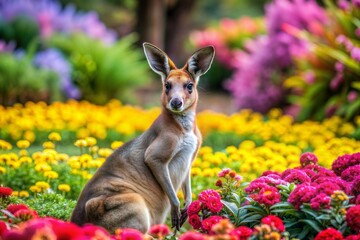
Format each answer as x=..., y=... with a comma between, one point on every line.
x=136, y=186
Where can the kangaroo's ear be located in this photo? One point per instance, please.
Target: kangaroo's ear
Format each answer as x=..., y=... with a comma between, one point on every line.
x=159, y=62
x=199, y=63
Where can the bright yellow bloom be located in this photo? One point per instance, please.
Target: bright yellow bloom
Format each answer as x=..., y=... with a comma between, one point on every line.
x=105, y=152
x=5, y=145
x=90, y=141
x=30, y=136
x=2, y=170
x=35, y=189
x=42, y=185
x=23, y=152
x=54, y=136
x=25, y=159
x=23, y=144
x=81, y=143
x=116, y=144
x=51, y=174
x=64, y=188
x=42, y=167
x=15, y=193
x=24, y=194
x=48, y=145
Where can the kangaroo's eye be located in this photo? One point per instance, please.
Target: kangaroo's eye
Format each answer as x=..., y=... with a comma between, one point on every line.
x=190, y=87
x=167, y=87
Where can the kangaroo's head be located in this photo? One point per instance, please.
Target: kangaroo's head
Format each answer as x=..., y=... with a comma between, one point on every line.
x=179, y=85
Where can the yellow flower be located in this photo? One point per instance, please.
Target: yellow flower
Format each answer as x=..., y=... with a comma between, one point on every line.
x=23, y=144
x=2, y=170
x=5, y=145
x=35, y=189
x=15, y=193
x=51, y=174
x=42, y=185
x=24, y=194
x=116, y=144
x=23, y=152
x=30, y=136
x=81, y=143
x=105, y=152
x=64, y=188
x=48, y=145
x=90, y=141
x=42, y=167
x=25, y=159
x=54, y=136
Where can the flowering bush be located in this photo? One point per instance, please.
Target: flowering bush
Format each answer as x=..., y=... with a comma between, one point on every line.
x=325, y=80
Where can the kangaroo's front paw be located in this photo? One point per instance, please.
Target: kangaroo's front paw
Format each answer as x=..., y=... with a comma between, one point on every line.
x=175, y=217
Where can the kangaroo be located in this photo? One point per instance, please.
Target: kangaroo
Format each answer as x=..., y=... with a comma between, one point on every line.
x=137, y=185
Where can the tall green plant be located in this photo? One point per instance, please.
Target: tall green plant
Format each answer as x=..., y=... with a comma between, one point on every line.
x=103, y=72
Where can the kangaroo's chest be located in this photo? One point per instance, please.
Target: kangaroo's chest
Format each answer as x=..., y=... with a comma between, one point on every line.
x=181, y=162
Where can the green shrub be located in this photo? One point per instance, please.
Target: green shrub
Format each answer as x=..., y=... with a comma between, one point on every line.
x=103, y=72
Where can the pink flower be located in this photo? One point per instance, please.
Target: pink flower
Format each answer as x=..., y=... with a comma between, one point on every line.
x=89, y=230
x=66, y=230
x=355, y=186
x=242, y=233
x=308, y=158
x=224, y=172
x=327, y=187
x=206, y=194
x=297, y=176
x=321, y=201
x=207, y=223
x=329, y=234
x=3, y=228
x=345, y=161
x=159, y=230
x=274, y=221
x=353, y=218
x=195, y=221
x=130, y=234
x=194, y=207
x=214, y=204
x=192, y=236
x=303, y=193
x=352, y=237
x=269, y=196
x=350, y=173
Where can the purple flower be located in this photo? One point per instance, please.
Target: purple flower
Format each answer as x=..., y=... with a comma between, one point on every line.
x=53, y=60
x=355, y=53
x=52, y=18
x=343, y=4
x=356, y=3
x=352, y=96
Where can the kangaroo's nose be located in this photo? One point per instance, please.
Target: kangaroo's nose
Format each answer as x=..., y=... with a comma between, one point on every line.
x=176, y=103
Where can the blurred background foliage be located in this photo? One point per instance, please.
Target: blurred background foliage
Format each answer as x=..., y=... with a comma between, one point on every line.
x=299, y=55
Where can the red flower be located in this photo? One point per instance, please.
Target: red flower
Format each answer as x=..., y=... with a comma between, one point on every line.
x=159, y=230
x=192, y=236
x=218, y=183
x=63, y=230
x=214, y=204
x=329, y=234
x=353, y=218
x=269, y=196
x=130, y=234
x=13, y=208
x=223, y=172
x=194, y=207
x=94, y=232
x=3, y=228
x=274, y=222
x=308, y=158
x=352, y=237
x=206, y=194
x=321, y=201
x=194, y=221
x=26, y=214
x=242, y=233
x=5, y=191
x=208, y=223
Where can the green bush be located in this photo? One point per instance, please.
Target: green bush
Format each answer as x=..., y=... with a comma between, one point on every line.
x=20, y=81
x=103, y=72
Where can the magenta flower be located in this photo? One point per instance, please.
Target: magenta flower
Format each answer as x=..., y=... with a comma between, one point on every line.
x=208, y=223
x=355, y=186
x=269, y=196
x=274, y=222
x=350, y=173
x=308, y=158
x=345, y=161
x=321, y=201
x=303, y=193
x=353, y=218
x=327, y=188
x=195, y=221
x=296, y=176
x=194, y=207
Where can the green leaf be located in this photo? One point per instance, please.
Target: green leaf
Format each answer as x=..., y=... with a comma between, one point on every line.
x=237, y=198
x=354, y=108
x=252, y=218
x=282, y=205
x=309, y=211
x=255, y=209
x=305, y=231
x=313, y=224
x=231, y=207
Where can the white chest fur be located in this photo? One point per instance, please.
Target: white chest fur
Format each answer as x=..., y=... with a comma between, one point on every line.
x=181, y=162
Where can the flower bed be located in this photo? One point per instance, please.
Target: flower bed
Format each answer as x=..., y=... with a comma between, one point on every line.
x=48, y=153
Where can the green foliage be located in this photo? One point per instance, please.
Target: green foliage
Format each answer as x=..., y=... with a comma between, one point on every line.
x=22, y=30
x=20, y=81
x=103, y=72
x=51, y=204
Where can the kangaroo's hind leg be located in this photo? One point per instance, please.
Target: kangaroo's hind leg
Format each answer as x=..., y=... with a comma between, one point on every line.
x=127, y=210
